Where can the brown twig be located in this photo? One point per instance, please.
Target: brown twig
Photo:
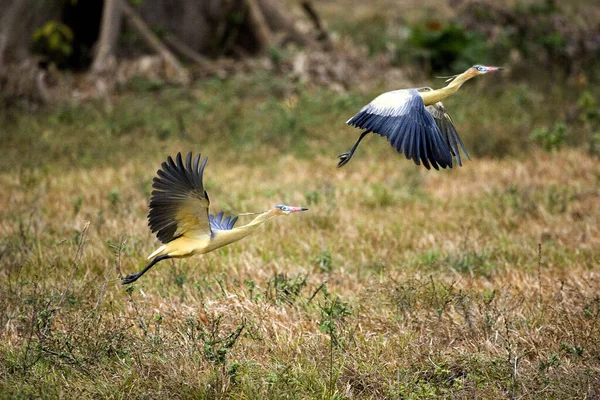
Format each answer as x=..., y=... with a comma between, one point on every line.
x=316, y=291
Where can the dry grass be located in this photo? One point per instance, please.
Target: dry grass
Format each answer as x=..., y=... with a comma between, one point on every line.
x=398, y=283
x=480, y=282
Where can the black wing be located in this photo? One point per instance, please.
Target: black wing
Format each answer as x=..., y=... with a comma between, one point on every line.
x=220, y=223
x=179, y=203
x=401, y=117
x=446, y=126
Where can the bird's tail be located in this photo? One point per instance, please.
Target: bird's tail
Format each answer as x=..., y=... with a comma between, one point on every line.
x=158, y=252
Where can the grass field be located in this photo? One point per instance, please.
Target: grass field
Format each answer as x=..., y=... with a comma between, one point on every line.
x=399, y=282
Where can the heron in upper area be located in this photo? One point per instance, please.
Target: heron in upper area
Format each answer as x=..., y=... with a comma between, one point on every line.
x=179, y=214
x=415, y=122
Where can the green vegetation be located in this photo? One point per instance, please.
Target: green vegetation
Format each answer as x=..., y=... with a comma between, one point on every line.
x=550, y=139
x=54, y=41
x=443, y=47
x=269, y=114
x=538, y=35
x=400, y=283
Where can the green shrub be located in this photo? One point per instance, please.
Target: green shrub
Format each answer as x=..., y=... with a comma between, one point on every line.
x=54, y=40
x=323, y=261
x=550, y=139
x=445, y=47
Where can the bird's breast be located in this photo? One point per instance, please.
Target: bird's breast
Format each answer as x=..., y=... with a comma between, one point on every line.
x=185, y=246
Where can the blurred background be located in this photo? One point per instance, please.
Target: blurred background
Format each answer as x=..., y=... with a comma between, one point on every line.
x=56, y=52
x=399, y=282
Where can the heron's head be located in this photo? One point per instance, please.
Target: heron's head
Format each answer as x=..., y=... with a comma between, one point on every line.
x=282, y=209
x=482, y=69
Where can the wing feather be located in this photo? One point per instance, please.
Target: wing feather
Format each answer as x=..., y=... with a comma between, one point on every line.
x=410, y=133
x=448, y=130
x=424, y=149
x=401, y=117
x=179, y=203
x=219, y=223
x=417, y=155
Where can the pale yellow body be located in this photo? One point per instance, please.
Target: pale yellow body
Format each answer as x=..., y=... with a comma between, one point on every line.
x=191, y=243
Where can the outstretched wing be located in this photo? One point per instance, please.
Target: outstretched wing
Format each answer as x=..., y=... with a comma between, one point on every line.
x=220, y=223
x=179, y=203
x=401, y=117
x=446, y=126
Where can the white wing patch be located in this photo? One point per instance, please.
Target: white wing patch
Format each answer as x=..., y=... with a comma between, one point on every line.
x=390, y=104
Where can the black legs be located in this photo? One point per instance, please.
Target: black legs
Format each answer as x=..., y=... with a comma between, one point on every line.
x=134, y=277
x=344, y=158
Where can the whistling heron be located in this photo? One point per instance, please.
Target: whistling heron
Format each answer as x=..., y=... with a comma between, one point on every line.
x=415, y=122
x=179, y=214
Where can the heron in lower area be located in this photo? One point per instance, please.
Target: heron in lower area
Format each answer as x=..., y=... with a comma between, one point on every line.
x=179, y=215
x=415, y=122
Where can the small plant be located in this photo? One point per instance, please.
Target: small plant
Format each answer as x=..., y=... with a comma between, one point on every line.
x=588, y=108
x=323, y=261
x=114, y=196
x=53, y=40
x=333, y=312
x=217, y=346
x=180, y=279
x=572, y=350
x=552, y=361
x=285, y=290
x=550, y=139
x=77, y=204
x=251, y=286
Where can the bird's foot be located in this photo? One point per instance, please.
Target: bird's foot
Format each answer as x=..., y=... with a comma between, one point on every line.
x=344, y=158
x=129, y=279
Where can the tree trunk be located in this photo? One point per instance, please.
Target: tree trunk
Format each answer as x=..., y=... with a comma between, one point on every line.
x=280, y=21
x=8, y=21
x=154, y=42
x=259, y=26
x=105, y=59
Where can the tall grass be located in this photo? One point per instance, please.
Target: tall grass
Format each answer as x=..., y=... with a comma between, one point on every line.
x=398, y=283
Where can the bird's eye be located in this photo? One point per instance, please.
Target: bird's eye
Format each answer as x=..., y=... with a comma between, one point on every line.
x=480, y=68
x=285, y=208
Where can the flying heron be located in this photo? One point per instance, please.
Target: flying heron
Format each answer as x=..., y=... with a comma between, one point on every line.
x=179, y=215
x=415, y=122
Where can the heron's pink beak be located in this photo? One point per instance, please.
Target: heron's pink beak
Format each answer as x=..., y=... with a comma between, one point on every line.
x=490, y=69
x=296, y=209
